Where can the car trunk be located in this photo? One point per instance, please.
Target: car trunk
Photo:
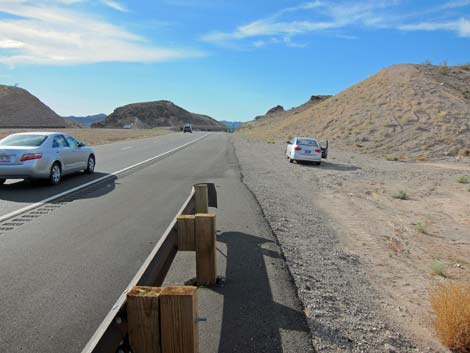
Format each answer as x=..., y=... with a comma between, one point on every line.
x=12, y=155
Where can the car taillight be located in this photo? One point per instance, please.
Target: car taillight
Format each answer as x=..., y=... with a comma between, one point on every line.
x=30, y=156
x=318, y=150
x=297, y=148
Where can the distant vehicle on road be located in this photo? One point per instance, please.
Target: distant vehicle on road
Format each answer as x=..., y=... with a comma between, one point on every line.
x=188, y=128
x=43, y=155
x=306, y=149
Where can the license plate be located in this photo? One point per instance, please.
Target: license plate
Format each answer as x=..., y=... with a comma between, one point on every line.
x=308, y=152
x=4, y=158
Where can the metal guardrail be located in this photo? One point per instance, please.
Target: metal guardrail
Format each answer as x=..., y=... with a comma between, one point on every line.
x=112, y=334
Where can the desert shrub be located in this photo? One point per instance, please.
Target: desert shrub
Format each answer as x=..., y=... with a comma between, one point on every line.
x=466, y=67
x=464, y=152
x=427, y=62
x=392, y=158
x=439, y=268
x=421, y=228
x=401, y=195
x=451, y=305
x=421, y=158
x=464, y=179
x=444, y=68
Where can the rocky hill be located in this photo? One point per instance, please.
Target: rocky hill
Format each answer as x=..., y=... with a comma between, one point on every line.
x=20, y=109
x=157, y=114
x=402, y=111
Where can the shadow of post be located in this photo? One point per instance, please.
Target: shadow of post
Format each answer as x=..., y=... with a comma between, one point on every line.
x=252, y=320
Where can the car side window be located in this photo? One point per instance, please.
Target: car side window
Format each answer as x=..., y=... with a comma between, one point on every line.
x=72, y=142
x=59, y=142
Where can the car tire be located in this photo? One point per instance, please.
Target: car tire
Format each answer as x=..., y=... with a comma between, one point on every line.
x=317, y=163
x=2, y=181
x=291, y=160
x=55, y=175
x=90, y=165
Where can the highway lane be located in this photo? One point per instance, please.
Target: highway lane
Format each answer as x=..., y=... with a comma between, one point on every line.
x=62, y=271
x=110, y=158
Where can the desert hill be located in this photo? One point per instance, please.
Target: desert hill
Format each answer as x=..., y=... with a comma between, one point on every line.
x=157, y=114
x=19, y=108
x=404, y=110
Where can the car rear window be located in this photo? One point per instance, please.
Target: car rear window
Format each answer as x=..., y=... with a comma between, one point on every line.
x=307, y=142
x=23, y=140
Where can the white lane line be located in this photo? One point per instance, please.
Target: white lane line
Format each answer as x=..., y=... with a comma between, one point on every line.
x=52, y=198
x=126, y=148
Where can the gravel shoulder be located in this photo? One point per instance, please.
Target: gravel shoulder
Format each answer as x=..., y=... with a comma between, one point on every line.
x=362, y=270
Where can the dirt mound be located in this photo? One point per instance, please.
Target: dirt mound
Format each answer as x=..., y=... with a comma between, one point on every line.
x=404, y=110
x=156, y=114
x=20, y=109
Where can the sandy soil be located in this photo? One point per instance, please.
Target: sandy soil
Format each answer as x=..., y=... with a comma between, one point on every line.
x=99, y=136
x=404, y=247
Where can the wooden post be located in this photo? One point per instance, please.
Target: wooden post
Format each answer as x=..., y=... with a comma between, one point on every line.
x=178, y=310
x=186, y=239
x=206, y=272
x=201, y=197
x=143, y=314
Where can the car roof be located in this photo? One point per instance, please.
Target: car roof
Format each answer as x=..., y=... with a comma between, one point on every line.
x=45, y=133
x=307, y=138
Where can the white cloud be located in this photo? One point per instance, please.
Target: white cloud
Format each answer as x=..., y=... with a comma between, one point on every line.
x=114, y=5
x=322, y=15
x=54, y=32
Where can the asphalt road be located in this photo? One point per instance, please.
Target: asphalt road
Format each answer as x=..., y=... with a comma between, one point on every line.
x=112, y=157
x=63, y=266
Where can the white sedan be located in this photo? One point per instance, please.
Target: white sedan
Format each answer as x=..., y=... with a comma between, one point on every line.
x=305, y=149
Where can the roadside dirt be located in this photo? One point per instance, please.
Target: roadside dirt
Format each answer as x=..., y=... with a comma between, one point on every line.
x=362, y=259
x=98, y=136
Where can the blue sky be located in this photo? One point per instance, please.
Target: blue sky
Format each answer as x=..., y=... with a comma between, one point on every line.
x=229, y=59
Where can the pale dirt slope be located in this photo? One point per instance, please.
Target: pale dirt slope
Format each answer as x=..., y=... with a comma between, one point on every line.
x=404, y=111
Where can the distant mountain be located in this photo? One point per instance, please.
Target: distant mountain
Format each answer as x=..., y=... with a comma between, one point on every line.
x=86, y=120
x=231, y=125
x=20, y=109
x=162, y=113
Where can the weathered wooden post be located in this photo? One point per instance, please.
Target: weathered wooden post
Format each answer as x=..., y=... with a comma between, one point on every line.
x=206, y=269
x=178, y=310
x=201, y=197
x=186, y=233
x=143, y=314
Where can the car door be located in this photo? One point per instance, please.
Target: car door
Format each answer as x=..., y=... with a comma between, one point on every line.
x=63, y=152
x=79, y=155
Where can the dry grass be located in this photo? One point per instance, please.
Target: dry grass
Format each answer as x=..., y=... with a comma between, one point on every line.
x=451, y=304
x=99, y=136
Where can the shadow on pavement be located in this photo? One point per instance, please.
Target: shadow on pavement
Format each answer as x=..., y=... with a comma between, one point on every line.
x=27, y=191
x=332, y=166
x=252, y=321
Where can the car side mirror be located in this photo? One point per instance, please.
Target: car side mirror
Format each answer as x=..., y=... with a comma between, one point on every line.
x=289, y=143
x=81, y=144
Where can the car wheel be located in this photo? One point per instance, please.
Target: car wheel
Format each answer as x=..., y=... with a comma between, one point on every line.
x=90, y=166
x=291, y=160
x=56, y=174
x=317, y=163
x=2, y=181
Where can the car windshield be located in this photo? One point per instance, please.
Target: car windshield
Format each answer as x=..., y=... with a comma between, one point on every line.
x=23, y=140
x=307, y=142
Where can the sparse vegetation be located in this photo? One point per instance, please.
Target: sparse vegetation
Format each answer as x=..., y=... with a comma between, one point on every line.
x=451, y=305
x=444, y=68
x=464, y=179
x=439, y=268
x=421, y=228
x=392, y=158
x=401, y=195
x=465, y=152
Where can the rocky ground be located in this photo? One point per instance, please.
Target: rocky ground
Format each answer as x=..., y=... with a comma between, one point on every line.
x=364, y=261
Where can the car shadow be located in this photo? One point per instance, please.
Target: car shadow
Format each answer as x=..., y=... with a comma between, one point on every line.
x=27, y=191
x=252, y=319
x=331, y=166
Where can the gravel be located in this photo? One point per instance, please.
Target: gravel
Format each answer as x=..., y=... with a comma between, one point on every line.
x=343, y=310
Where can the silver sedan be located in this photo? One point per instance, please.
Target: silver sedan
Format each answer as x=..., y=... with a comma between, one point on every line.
x=43, y=155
